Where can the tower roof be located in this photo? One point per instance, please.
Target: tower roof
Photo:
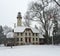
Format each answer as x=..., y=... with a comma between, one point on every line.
x=19, y=15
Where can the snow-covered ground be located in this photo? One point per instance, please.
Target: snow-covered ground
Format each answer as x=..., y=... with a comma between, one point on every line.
x=30, y=50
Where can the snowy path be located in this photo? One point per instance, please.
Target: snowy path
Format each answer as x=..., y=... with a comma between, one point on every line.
x=30, y=50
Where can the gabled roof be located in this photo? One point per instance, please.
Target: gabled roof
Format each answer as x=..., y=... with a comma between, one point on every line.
x=21, y=29
x=41, y=36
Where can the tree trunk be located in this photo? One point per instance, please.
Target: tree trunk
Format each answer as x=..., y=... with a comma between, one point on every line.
x=47, y=37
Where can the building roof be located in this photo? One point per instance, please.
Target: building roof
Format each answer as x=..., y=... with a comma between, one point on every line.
x=19, y=15
x=21, y=29
x=41, y=36
x=10, y=35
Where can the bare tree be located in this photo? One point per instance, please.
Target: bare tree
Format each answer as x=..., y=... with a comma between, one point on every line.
x=27, y=19
x=57, y=2
x=43, y=14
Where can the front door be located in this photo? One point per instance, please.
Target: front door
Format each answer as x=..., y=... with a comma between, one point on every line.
x=28, y=40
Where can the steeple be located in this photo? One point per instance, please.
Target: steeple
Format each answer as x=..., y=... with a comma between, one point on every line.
x=19, y=19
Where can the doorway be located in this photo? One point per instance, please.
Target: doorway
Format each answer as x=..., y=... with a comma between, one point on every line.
x=28, y=40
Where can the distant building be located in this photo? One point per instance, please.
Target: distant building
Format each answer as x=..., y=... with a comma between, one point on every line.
x=10, y=35
x=9, y=39
x=41, y=39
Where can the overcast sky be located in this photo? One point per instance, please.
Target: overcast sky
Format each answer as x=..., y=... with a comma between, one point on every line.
x=9, y=10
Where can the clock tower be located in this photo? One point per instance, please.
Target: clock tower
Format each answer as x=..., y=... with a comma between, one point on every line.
x=19, y=19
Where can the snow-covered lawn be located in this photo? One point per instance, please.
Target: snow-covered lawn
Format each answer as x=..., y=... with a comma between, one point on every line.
x=30, y=50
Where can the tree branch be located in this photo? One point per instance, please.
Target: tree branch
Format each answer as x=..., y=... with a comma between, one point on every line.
x=57, y=3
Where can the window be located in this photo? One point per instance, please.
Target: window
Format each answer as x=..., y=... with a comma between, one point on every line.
x=25, y=39
x=21, y=39
x=17, y=39
x=17, y=34
x=21, y=34
x=29, y=39
x=36, y=39
x=33, y=34
x=36, y=34
x=29, y=34
x=33, y=39
x=26, y=34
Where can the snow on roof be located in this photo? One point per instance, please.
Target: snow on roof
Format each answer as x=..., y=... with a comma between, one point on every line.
x=21, y=29
x=41, y=36
x=34, y=30
x=10, y=35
